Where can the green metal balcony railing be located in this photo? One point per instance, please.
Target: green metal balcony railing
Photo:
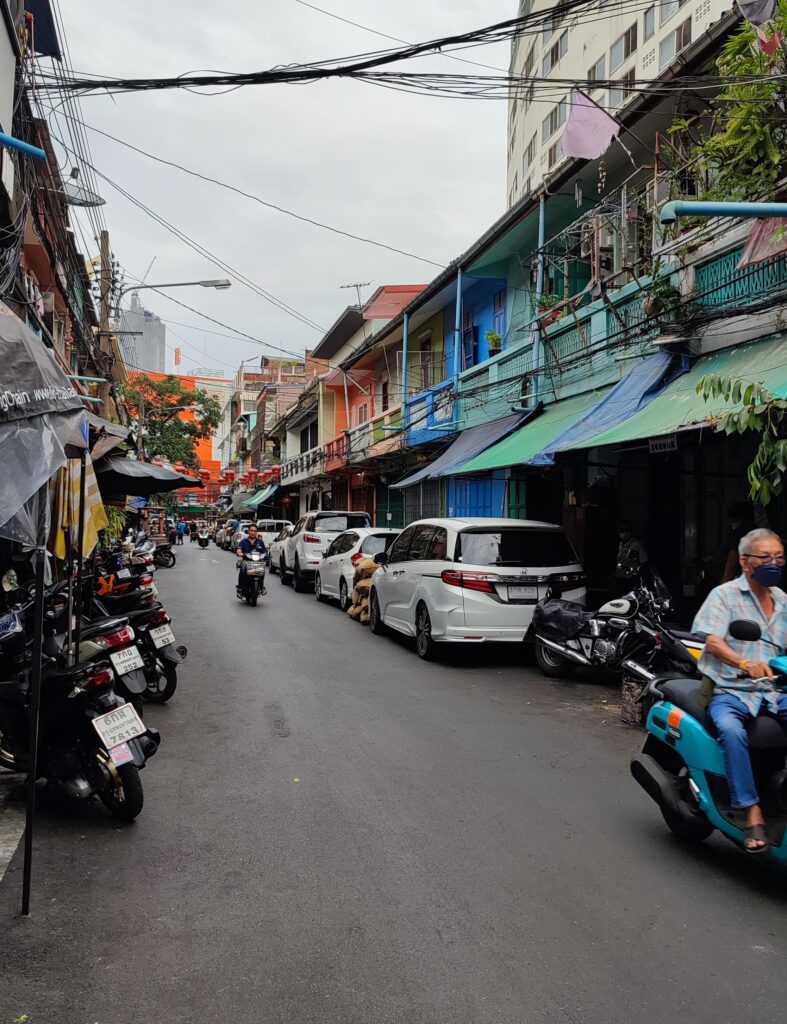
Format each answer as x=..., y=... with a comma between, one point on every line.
x=719, y=282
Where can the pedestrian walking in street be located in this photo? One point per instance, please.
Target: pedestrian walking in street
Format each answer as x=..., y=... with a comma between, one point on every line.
x=182, y=530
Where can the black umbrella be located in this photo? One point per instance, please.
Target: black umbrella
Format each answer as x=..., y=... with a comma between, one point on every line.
x=118, y=476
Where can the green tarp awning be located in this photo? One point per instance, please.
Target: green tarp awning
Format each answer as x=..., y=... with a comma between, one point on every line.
x=679, y=406
x=525, y=443
x=260, y=496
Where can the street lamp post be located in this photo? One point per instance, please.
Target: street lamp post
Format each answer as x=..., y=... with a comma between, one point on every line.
x=220, y=285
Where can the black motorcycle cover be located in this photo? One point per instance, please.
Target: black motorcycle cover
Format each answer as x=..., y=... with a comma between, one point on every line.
x=559, y=620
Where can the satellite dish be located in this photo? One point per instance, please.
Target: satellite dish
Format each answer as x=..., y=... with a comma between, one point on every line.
x=77, y=195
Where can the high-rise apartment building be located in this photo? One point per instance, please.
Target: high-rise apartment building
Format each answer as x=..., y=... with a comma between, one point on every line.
x=617, y=43
x=143, y=338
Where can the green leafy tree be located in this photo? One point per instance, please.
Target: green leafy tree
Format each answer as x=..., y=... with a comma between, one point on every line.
x=757, y=411
x=157, y=406
x=739, y=145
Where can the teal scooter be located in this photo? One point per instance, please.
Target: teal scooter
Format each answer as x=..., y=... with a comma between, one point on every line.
x=681, y=765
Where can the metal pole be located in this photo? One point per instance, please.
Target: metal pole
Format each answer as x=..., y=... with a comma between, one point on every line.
x=538, y=347
x=80, y=553
x=689, y=208
x=35, y=709
x=405, y=356
x=457, y=331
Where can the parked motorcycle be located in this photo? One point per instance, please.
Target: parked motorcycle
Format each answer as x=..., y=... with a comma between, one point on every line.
x=681, y=765
x=203, y=537
x=164, y=556
x=252, y=580
x=628, y=633
x=90, y=740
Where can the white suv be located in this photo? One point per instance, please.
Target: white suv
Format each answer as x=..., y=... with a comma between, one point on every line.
x=470, y=580
x=311, y=536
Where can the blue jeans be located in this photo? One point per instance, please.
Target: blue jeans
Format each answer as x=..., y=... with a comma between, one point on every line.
x=729, y=716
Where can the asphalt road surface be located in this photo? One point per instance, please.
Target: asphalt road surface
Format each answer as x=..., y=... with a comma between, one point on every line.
x=337, y=833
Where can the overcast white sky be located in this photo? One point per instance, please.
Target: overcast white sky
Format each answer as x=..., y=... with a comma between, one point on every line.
x=423, y=174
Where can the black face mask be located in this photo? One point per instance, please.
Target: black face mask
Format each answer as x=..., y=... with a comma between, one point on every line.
x=768, y=575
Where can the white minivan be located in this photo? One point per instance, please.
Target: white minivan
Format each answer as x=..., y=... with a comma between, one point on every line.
x=471, y=580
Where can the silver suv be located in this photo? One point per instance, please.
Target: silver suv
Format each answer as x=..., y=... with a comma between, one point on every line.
x=311, y=536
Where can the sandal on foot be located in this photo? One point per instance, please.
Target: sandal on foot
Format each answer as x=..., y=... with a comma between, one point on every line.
x=758, y=833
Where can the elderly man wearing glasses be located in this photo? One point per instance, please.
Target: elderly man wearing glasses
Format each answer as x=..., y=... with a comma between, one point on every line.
x=742, y=681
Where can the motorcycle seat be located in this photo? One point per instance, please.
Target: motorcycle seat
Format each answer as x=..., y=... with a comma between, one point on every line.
x=764, y=731
x=686, y=634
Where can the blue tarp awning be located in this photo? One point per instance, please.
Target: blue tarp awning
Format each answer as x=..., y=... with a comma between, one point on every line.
x=466, y=446
x=638, y=388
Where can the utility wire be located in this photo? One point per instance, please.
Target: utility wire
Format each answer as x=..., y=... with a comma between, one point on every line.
x=258, y=199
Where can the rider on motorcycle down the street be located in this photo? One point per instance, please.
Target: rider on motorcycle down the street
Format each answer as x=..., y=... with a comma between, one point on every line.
x=742, y=680
x=250, y=543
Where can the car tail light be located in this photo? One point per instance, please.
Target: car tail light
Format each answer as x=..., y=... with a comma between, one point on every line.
x=160, y=618
x=99, y=679
x=567, y=581
x=146, y=580
x=119, y=639
x=311, y=538
x=483, y=582
x=356, y=557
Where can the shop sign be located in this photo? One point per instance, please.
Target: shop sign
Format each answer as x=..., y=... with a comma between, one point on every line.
x=658, y=445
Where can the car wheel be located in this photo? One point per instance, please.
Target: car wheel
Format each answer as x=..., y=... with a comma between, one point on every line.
x=344, y=597
x=273, y=568
x=318, y=588
x=298, y=581
x=424, y=643
x=375, y=618
x=283, y=572
x=553, y=664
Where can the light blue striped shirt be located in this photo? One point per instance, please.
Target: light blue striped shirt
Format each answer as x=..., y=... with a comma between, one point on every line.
x=724, y=604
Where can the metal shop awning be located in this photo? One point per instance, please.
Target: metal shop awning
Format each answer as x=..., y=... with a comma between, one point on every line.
x=261, y=496
x=466, y=446
x=644, y=382
x=679, y=407
x=524, y=444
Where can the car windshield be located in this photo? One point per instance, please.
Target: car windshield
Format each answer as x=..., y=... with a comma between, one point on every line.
x=373, y=545
x=339, y=523
x=517, y=547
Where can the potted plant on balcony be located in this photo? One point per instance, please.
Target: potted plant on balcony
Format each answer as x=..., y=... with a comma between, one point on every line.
x=663, y=297
x=546, y=308
x=494, y=341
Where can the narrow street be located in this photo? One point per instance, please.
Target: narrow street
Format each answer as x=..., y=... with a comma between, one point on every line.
x=337, y=832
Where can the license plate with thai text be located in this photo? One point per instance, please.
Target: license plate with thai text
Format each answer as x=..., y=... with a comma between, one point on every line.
x=126, y=660
x=118, y=726
x=162, y=635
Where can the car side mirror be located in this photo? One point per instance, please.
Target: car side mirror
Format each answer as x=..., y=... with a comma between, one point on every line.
x=745, y=629
x=381, y=558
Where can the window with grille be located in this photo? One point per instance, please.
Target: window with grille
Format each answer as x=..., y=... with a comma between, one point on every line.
x=599, y=70
x=623, y=47
x=529, y=156
x=554, y=154
x=553, y=120
x=669, y=9
x=649, y=22
x=558, y=49
x=499, y=312
x=363, y=413
x=671, y=45
x=619, y=95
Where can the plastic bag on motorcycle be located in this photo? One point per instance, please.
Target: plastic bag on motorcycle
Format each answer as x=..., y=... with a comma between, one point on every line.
x=559, y=620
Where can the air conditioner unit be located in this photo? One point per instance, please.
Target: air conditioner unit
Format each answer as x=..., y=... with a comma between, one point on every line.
x=656, y=193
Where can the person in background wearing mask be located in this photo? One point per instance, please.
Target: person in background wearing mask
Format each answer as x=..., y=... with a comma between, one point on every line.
x=632, y=558
x=736, y=674
x=741, y=516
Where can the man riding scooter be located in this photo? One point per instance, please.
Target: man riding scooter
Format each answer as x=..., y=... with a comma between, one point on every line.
x=249, y=544
x=737, y=673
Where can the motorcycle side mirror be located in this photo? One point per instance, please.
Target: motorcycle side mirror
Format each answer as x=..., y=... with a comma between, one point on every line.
x=745, y=629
